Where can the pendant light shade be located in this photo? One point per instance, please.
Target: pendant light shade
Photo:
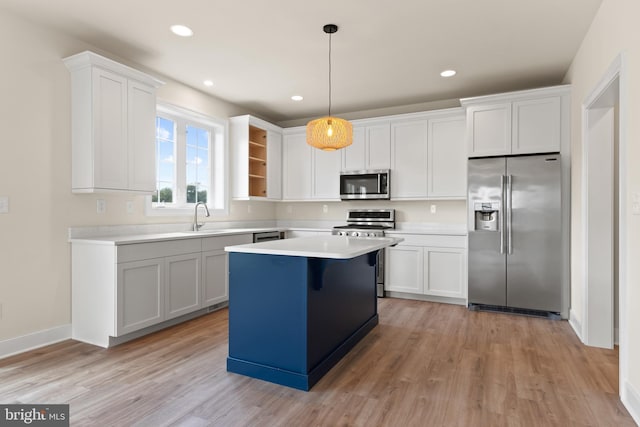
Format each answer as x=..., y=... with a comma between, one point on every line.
x=329, y=133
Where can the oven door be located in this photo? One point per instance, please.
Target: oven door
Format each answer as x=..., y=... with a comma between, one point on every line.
x=364, y=185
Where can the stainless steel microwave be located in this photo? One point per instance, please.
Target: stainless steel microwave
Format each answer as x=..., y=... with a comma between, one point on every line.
x=369, y=184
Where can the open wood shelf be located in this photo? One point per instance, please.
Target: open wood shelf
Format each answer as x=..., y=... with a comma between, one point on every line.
x=257, y=162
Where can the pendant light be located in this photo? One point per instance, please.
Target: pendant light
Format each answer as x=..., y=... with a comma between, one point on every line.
x=329, y=133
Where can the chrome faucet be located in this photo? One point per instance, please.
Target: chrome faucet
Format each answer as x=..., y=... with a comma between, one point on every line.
x=197, y=226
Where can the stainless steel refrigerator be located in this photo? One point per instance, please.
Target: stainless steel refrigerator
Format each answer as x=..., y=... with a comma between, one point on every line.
x=515, y=233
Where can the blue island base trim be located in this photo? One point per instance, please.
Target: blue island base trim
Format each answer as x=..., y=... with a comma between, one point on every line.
x=294, y=379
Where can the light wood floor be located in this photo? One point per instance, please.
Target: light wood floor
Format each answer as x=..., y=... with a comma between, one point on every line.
x=425, y=364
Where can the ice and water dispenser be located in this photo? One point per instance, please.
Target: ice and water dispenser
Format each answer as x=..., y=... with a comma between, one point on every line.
x=487, y=216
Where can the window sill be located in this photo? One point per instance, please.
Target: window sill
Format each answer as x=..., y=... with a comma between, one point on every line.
x=181, y=211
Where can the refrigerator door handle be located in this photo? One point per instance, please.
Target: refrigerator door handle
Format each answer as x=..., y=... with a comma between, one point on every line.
x=501, y=213
x=509, y=238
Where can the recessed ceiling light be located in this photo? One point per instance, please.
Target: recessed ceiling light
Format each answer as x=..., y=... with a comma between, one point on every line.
x=181, y=30
x=297, y=98
x=208, y=83
x=448, y=73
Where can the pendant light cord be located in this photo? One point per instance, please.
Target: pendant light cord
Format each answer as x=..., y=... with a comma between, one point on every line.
x=329, y=74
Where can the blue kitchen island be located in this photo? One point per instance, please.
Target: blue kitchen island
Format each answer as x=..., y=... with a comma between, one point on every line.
x=297, y=306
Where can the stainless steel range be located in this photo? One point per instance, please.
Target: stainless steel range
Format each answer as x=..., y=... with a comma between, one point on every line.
x=369, y=223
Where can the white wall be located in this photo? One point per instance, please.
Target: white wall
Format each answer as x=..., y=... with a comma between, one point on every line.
x=35, y=173
x=447, y=211
x=614, y=30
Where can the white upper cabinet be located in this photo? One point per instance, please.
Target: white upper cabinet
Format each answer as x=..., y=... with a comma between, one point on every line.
x=489, y=129
x=326, y=174
x=425, y=153
x=409, y=159
x=296, y=165
x=256, y=156
x=309, y=173
x=274, y=161
x=354, y=156
x=447, y=158
x=113, y=109
x=142, y=109
x=378, y=146
x=536, y=126
x=523, y=122
x=371, y=147
x=428, y=158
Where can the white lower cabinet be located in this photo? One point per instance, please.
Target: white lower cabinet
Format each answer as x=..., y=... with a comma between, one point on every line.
x=182, y=285
x=215, y=285
x=121, y=289
x=140, y=295
x=430, y=265
x=156, y=281
x=445, y=272
x=215, y=267
x=404, y=269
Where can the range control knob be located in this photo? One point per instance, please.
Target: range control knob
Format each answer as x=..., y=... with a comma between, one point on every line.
x=355, y=233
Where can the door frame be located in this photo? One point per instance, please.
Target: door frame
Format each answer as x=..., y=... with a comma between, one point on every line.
x=615, y=73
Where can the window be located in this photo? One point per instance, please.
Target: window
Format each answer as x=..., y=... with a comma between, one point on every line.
x=191, y=161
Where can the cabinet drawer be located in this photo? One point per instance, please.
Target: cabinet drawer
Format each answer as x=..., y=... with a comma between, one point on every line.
x=437, y=240
x=215, y=243
x=140, y=251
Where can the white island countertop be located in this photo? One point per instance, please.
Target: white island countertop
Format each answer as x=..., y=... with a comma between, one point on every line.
x=335, y=247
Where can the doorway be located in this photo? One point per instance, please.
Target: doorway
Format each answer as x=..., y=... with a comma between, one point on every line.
x=604, y=214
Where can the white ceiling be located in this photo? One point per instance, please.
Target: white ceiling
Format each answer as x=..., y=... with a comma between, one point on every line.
x=387, y=53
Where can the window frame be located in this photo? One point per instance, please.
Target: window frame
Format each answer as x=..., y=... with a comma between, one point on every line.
x=218, y=197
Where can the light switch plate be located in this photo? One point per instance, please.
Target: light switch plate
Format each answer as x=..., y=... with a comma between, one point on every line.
x=433, y=209
x=4, y=204
x=635, y=203
x=325, y=209
x=101, y=206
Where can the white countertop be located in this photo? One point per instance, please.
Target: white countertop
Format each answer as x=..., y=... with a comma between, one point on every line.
x=158, y=237
x=429, y=228
x=336, y=247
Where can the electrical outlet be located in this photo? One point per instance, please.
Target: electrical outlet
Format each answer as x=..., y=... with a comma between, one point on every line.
x=4, y=204
x=635, y=204
x=325, y=209
x=433, y=209
x=101, y=206
x=248, y=208
x=129, y=207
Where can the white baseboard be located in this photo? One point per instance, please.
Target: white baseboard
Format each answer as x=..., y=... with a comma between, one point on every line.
x=631, y=400
x=35, y=340
x=575, y=325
